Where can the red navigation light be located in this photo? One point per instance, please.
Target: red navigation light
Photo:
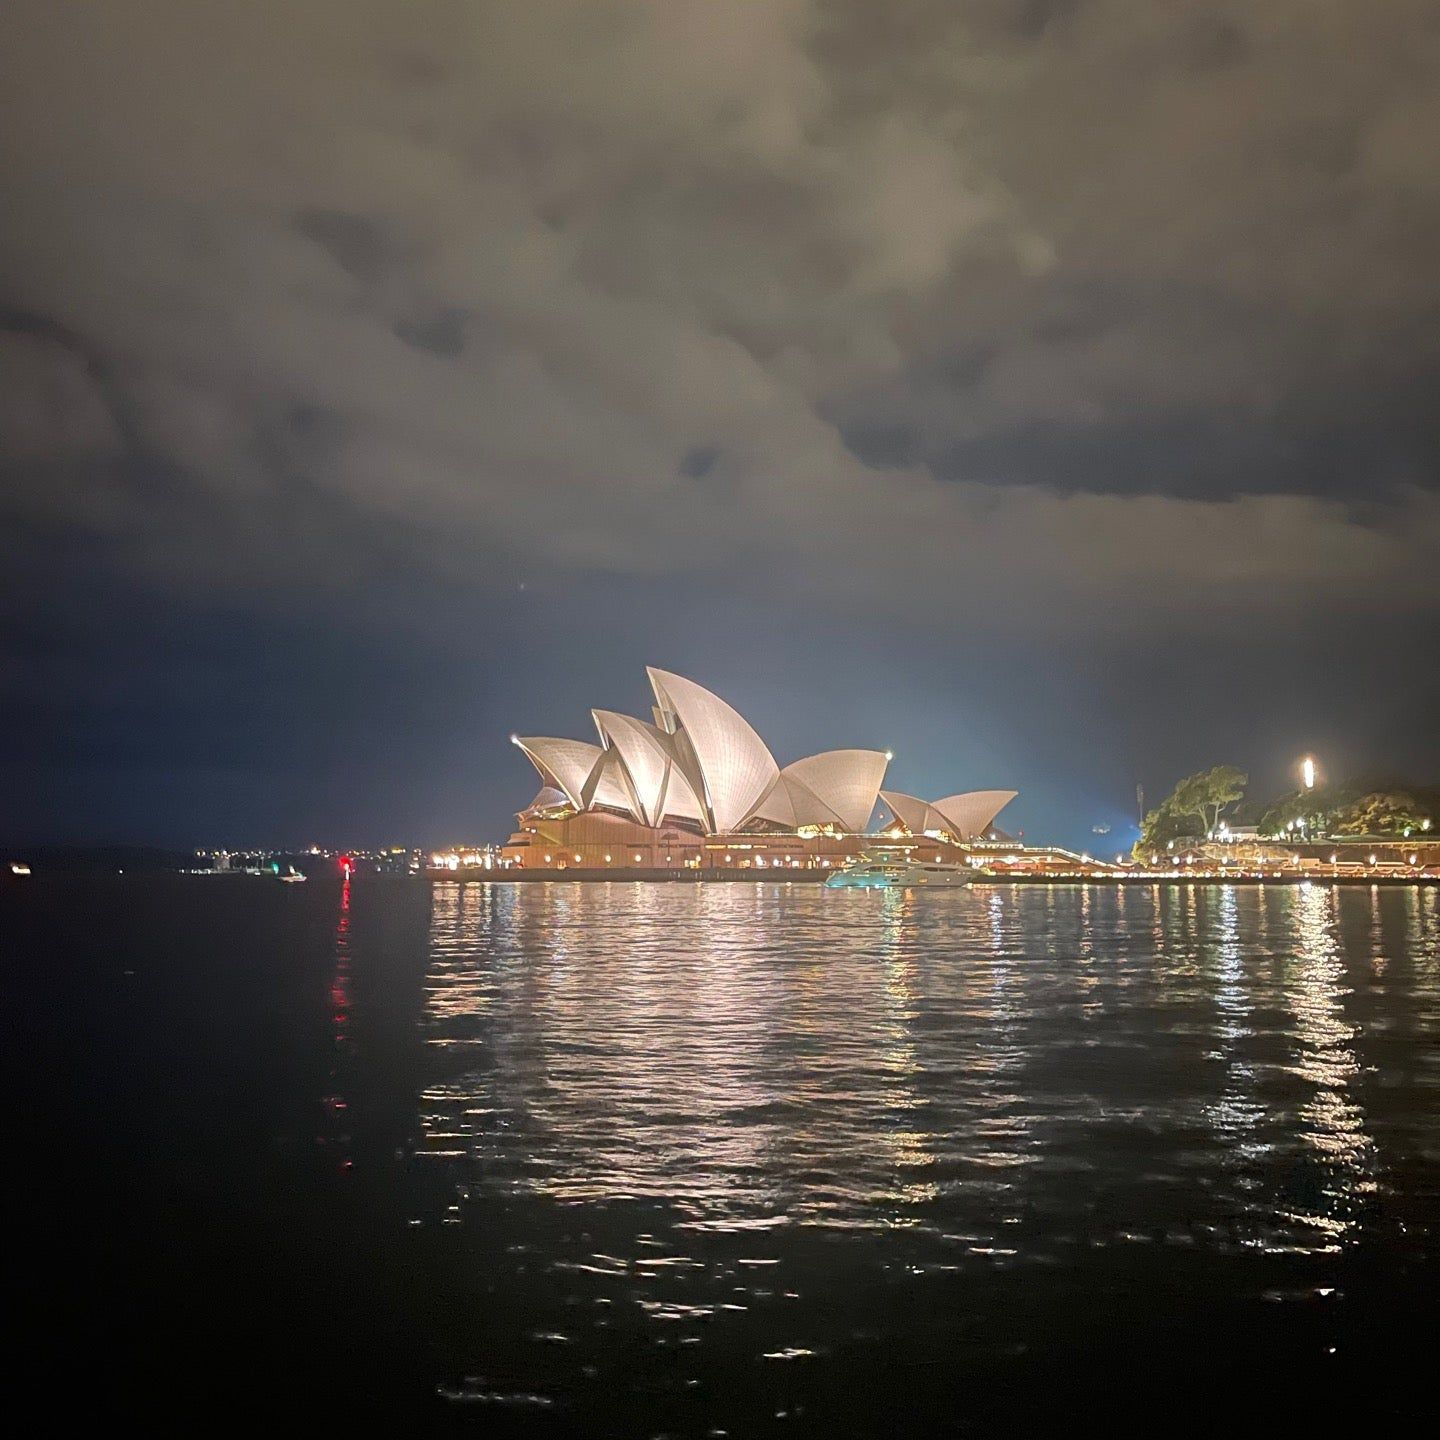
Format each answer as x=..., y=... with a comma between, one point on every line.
x=346, y=864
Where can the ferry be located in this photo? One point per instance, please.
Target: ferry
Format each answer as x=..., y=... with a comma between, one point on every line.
x=870, y=873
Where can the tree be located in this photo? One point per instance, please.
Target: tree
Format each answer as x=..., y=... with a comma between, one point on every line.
x=1354, y=808
x=1310, y=809
x=1380, y=813
x=1192, y=809
x=1160, y=827
x=1208, y=792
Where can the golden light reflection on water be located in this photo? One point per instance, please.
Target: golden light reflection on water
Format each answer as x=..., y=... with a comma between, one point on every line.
x=1237, y=1114
x=1332, y=1121
x=685, y=1043
x=955, y=1062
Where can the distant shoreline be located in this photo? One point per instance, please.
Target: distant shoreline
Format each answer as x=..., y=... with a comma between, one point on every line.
x=10, y=883
x=817, y=877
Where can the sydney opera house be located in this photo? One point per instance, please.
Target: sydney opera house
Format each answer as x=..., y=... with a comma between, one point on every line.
x=697, y=788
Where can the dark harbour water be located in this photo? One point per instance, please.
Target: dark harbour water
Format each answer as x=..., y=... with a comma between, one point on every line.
x=644, y=1160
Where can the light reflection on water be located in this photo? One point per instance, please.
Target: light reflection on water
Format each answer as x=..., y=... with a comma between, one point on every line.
x=786, y=1055
x=1019, y=1080
x=633, y=1160
x=1332, y=1122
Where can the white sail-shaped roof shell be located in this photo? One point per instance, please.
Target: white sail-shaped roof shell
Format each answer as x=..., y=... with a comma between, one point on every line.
x=702, y=762
x=547, y=798
x=916, y=815
x=966, y=817
x=777, y=806
x=970, y=815
x=645, y=754
x=681, y=801
x=728, y=764
x=585, y=774
x=657, y=786
x=609, y=785
x=836, y=787
x=564, y=764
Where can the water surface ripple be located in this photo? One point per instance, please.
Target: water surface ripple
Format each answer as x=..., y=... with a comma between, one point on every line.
x=622, y=1159
x=890, y=1134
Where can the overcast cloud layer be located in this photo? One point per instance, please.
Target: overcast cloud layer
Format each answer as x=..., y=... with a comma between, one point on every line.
x=1001, y=325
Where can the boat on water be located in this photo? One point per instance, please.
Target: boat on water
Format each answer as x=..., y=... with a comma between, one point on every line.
x=290, y=877
x=870, y=872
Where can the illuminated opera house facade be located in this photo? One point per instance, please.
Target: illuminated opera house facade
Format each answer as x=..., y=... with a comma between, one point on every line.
x=697, y=788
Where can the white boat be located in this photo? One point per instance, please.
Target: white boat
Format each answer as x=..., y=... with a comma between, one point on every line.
x=877, y=873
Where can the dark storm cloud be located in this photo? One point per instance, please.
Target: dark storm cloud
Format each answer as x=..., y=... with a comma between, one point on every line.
x=879, y=311
x=699, y=461
x=66, y=395
x=442, y=333
x=354, y=242
x=1032, y=250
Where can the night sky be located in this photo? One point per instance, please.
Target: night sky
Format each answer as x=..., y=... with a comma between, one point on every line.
x=1045, y=390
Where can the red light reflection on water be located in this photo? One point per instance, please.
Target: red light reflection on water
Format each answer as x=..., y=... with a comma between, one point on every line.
x=334, y=1136
x=340, y=982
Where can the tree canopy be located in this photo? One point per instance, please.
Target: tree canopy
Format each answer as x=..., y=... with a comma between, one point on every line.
x=1208, y=792
x=1192, y=810
x=1368, y=807
x=1363, y=808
